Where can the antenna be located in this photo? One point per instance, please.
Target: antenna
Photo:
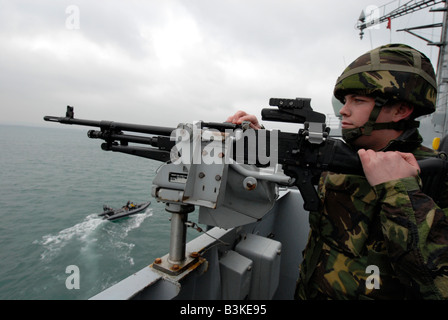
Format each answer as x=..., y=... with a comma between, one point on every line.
x=400, y=10
x=440, y=118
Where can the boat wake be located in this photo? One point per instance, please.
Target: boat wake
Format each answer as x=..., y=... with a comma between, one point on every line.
x=89, y=232
x=118, y=236
x=54, y=243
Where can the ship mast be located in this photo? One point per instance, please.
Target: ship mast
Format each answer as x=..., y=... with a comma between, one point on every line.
x=439, y=118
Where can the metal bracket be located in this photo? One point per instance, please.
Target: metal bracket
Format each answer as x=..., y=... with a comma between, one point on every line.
x=315, y=132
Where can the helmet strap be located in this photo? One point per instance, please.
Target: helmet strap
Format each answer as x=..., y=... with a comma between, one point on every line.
x=370, y=124
x=351, y=135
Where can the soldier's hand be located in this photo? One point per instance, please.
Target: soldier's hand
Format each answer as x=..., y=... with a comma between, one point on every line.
x=380, y=167
x=241, y=116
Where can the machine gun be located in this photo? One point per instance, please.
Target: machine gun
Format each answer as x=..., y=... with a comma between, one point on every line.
x=304, y=155
x=230, y=171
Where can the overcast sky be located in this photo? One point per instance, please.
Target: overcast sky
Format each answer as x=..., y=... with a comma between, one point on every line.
x=164, y=62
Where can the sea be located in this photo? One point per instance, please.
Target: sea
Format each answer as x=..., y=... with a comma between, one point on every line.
x=54, y=182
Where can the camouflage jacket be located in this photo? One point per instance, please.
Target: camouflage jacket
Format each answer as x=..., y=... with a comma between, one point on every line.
x=392, y=231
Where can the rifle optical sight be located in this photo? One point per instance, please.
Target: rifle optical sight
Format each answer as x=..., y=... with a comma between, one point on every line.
x=296, y=110
x=298, y=103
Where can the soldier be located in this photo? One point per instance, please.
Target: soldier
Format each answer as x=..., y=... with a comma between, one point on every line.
x=381, y=223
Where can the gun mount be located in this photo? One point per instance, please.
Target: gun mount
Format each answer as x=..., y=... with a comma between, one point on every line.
x=198, y=170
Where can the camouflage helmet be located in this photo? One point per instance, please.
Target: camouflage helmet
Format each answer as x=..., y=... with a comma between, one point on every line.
x=394, y=71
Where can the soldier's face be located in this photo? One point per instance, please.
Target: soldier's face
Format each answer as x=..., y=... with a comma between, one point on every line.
x=356, y=112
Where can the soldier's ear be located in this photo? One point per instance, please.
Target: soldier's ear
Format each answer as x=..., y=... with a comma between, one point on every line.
x=402, y=110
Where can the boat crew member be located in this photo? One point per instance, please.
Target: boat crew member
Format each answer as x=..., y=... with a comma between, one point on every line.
x=380, y=224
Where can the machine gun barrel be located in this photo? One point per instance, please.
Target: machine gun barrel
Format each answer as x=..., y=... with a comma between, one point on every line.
x=112, y=133
x=123, y=138
x=112, y=125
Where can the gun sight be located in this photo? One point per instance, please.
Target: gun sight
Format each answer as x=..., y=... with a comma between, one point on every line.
x=298, y=103
x=292, y=110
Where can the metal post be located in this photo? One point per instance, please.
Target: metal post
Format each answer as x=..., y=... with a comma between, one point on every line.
x=177, y=238
x=442, y=78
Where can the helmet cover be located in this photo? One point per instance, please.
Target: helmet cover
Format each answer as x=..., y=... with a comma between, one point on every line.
x=393, y=72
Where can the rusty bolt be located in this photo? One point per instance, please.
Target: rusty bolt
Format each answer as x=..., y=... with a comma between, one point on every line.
x=194, y=254
x=175, y=267
x=250, y=183
x=250, y=186
x=158, y=261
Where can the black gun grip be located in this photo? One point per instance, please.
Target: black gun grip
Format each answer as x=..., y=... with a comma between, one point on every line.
x=304, y=180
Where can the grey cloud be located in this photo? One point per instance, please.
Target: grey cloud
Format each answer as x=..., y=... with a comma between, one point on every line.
x=172, y=61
